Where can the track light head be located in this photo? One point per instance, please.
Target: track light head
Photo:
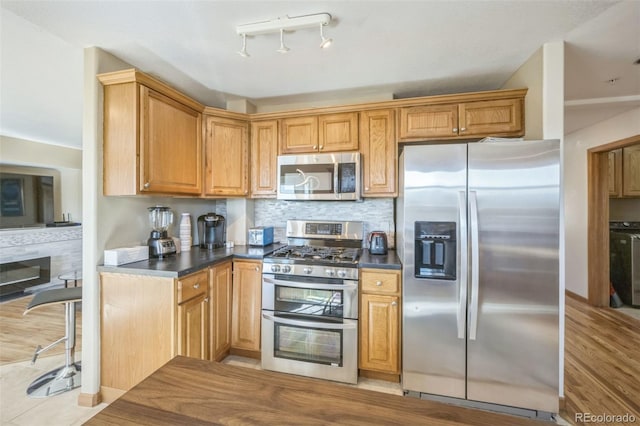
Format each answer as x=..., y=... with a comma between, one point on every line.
x=243, y=52
x=325, y=42
x=283, y=48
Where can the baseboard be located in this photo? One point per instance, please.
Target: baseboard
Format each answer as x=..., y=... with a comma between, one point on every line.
x=89, y=399
x=110, y=394
x=576, y=296
x=377, y=375
x=562, y=405
x=245, y=353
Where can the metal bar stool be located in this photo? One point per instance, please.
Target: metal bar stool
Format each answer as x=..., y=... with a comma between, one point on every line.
x=68, y=376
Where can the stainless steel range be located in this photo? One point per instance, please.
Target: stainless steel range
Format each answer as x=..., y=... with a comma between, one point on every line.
x=310, y=301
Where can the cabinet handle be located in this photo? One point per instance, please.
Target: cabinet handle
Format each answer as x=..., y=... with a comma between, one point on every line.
x=378, y=283
x=394, y=303
x=462, y=129
x=147, y=185
x=455, y=130
x=196, y=286
x=206, y=300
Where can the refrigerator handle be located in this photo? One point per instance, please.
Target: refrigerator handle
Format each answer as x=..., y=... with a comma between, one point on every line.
x=463, y=265
x=475, y=265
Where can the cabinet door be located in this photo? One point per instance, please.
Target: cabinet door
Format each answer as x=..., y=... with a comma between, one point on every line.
x=491, y=118
x=615, y=173
x=226, y=157
x=379, y=333
x=193, y=327
x=427, y=122
x=247, y=303
x=220, y=336
x=264, y=158
x=631, y=171
x=379, y=153
x=338, y=132
x=170, y=145
x=298, y=135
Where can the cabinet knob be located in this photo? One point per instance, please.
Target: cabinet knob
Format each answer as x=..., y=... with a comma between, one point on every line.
x=246, y=191
x=394, y=303
x=462, y=129
x=366, y=188
x=206, y=300
x=196, y=286
x=257, y=268
x=315, y=147
x=321, y=146
x=378, y=283
x=147, y=185
x=455, y=130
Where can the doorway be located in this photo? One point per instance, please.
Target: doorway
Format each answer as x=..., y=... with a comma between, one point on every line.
x=598, y=219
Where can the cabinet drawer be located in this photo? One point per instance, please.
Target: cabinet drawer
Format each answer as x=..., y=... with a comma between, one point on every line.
x=192, y=285
x=379, y=281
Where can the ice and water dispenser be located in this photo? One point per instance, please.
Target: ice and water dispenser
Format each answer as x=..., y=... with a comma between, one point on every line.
x=435, y=250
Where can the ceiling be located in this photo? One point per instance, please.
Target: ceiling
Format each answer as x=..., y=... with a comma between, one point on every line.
x=381, y=49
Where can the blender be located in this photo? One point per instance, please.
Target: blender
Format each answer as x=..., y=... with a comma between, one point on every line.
x=160, y=245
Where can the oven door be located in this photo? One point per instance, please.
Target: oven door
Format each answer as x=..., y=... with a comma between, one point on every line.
x=310, y=296
x=326, y=350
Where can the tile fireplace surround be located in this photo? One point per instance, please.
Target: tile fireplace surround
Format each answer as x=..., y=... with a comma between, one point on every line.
x=63, y=245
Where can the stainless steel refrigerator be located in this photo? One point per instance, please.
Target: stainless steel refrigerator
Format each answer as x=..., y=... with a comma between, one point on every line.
x=478, y=229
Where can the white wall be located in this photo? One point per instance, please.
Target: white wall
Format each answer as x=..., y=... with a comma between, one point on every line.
x=67, y=161
x=576, y=145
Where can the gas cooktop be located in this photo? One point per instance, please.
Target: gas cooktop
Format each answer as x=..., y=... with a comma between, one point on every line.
x=313, y=254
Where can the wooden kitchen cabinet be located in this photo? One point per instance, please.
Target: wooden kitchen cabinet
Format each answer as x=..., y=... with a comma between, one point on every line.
x=500, y=117
x=193, y=315
x=264, y=159
x=379, y=153
x=615, y=173
x=379, y=343
x=226, y=153
x=152, y=142
x=322, y=133
x=220, y=311
x=247, y=304
x=631, y=171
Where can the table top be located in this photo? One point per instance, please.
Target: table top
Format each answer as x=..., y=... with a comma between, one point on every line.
x=196, y=392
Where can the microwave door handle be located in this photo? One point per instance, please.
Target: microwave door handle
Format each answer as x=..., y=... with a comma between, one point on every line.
x=336, y=179
x=311, y=286
x=313, y=324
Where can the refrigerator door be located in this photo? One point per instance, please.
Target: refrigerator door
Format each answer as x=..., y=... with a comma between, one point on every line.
x=431, y=218
x=514, y=199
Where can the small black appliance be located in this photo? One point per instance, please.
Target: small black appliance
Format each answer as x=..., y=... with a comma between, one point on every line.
x=211, y=230
x=377, y=242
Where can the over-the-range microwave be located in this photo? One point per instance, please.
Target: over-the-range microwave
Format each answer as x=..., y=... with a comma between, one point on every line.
x=327, y=176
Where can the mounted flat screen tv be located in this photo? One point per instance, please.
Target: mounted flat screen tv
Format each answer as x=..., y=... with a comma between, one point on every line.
x=27, y=196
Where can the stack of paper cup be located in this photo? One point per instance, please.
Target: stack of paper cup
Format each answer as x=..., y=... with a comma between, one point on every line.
x=185, y=232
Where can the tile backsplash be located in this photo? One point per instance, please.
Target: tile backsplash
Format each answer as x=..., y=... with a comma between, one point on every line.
x=377, y=214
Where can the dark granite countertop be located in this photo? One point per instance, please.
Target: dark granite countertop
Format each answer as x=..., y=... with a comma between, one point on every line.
x=380, y=261
x=187, y=262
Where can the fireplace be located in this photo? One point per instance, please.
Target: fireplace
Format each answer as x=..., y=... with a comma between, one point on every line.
x=16, y=277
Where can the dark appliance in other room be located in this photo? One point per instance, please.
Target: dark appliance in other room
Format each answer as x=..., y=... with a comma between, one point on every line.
x=212, y=231
x=261, y=236
x=377, y=242
x=310, y=301
x=624, y=270
x=160, y=245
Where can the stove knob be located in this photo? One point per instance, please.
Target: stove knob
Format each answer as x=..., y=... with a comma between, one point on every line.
x=275, y=268
x=286, y=269
x=342, y=273
x=307, y=270
x=330, y=272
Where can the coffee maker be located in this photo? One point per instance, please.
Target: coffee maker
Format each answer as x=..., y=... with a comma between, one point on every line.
x=160, y=245
x=211, y=231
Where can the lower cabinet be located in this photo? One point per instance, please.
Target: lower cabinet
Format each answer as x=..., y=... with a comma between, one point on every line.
x=220, y=320
x=379, y=344
x=193, y=315
x=247, y=304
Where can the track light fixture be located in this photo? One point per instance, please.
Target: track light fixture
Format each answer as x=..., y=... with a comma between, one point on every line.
x=288, y=24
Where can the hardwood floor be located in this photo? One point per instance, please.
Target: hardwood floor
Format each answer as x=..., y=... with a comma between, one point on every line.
x=21, y=334
x=602, y=362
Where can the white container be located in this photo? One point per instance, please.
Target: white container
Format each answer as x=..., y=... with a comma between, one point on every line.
x=124, y=255
x=185, y=231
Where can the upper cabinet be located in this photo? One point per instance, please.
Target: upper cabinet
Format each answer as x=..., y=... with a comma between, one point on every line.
x=501, y=117
x=264, y=158
x=152, y=140
x=379, y=153
x=624, y=172
x=226, y=154
x=323, y=133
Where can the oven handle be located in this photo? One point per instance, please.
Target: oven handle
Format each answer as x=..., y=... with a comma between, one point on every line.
x=344, y=286
x=313, y=324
